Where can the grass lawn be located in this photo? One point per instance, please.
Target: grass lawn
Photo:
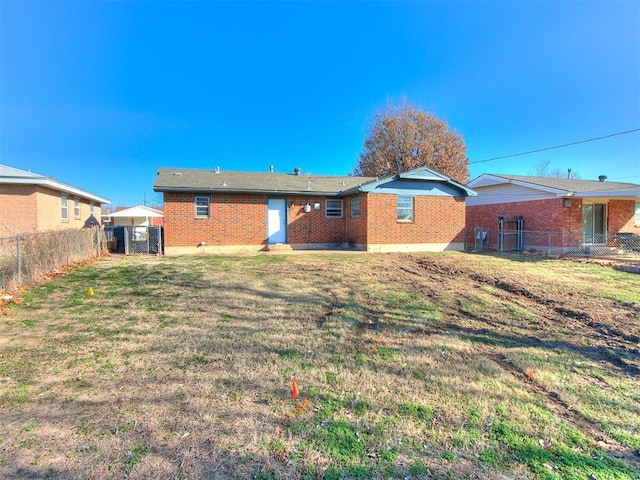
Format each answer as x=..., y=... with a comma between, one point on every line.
x=422, y=366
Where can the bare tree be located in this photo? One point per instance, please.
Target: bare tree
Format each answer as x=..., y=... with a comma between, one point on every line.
x=404, y=138
x=541, y=169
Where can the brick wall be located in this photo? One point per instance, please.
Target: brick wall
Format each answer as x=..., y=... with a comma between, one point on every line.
x=314, y=226
x=233, y=220
x=357, y=227
x=49, y=208
x=552, y=215
x=549, y=215
x=18, y=207
x=436, y=220
x=571, y=215
x=621, y=216
x=30, y=209
x=539, y=215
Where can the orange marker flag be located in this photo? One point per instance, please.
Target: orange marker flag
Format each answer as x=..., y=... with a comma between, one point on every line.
x=294, y=389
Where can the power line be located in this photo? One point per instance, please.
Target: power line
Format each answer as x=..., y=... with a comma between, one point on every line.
x=557, y=146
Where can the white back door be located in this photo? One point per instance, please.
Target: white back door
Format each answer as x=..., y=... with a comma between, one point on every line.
x=277, y=220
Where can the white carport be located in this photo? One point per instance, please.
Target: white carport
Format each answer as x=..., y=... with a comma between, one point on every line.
x=138, y=216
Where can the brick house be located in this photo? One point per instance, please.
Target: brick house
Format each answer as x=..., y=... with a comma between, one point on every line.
x=31, y=203
x=564, y=212
x=216, y=211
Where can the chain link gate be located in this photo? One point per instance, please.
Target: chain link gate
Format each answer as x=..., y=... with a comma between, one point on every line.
x=142, y=240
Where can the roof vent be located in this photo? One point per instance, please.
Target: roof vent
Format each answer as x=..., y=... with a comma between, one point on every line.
x=270, y=168
x=217, y=170
x=602, y=178
x=177, y=174
x=296, y=171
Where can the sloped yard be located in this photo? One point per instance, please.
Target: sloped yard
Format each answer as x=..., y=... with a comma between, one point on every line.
x=436, y=366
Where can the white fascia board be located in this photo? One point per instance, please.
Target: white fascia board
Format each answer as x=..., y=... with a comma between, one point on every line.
x=618, y=194
x=486, y=180
x=62, y=187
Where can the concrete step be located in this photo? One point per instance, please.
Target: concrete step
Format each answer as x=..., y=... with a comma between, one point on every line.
x=279, y=248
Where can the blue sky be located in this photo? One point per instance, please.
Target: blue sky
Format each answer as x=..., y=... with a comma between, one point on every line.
x=100, y=94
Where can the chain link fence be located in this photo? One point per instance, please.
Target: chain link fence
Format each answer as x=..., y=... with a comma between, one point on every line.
x=564, y=244
x=135, y=240
x=26, y=258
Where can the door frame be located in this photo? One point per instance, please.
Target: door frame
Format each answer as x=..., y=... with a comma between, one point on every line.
x=282, y=208
x=594, y=238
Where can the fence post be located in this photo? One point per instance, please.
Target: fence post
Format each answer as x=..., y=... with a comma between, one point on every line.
x=98, y=240
x=18, y=260
x=464, y=244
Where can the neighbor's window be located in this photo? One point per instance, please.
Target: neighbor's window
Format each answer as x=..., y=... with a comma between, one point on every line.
x=405, y=208
x=355, y=207
x=76, y=208
x=333, y=208
x=202, y=207
x=637, y=213
x=64, y=204
x=91, y=208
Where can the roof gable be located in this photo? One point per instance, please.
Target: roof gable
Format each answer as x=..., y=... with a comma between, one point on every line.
x=419, y=181
x=137, y=211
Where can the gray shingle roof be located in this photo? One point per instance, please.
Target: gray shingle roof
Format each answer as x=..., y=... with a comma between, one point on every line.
x=572, y=184
x=198, y=180
x=10, y=175
x=10, y=172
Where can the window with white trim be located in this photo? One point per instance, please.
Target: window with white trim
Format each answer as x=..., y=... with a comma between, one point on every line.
x=405, y=208
x=333, y=208
x=637, y=214
x=91, y=208
x=76, y=208
x=64, y=206
x=202, y=207
x=355, y=207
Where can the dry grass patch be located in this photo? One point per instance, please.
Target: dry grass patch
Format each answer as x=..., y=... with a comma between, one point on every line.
x=414, y=366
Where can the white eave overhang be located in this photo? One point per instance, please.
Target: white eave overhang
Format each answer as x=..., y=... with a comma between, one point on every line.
x=55, y=185
x=618, y=194
x=487, y=180
x=136, y=212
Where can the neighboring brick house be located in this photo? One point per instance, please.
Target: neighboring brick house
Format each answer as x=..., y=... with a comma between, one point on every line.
x=563, y=212
x=217, y=211
x=31, y=203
